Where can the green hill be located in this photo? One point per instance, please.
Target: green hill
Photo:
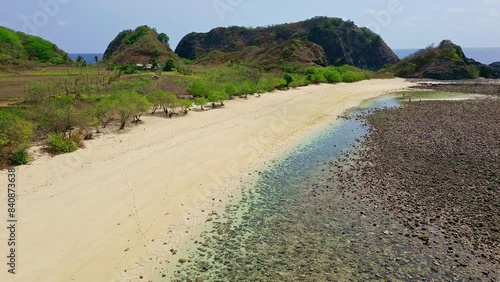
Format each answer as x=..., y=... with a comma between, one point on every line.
x=444, y=62
x=18, y=49
x=342, y=42
x=139, y=46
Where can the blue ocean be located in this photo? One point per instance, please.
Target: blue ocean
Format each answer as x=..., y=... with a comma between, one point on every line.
x=482, y=55
x=88, y=57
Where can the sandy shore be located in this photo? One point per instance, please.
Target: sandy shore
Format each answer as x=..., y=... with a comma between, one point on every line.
x=127, y=199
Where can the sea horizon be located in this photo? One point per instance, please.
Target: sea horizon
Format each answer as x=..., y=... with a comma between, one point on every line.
x=485, y=55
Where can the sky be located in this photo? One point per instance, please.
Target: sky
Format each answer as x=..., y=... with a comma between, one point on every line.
x=87, y=26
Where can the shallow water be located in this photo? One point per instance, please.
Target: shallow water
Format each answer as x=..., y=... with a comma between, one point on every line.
x=296, y=224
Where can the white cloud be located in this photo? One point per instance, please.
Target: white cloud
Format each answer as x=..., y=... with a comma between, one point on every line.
x=492, y=2
x=61, y=23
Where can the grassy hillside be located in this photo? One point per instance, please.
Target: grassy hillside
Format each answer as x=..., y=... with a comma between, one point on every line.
x=18, y=49
x=140, y=46
x=292, y=53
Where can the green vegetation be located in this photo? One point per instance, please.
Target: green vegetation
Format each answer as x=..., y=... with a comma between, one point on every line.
x=16, y=134
x=18, y=49
x=129, y=105
x=67, y=110
x=185, y=105
x=288, y=78
x=59, y=144
x=169, y=65
x=20, y=158
x=201, y=102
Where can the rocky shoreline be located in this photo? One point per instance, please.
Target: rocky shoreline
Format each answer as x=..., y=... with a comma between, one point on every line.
x=435, y=167
x=378, y=212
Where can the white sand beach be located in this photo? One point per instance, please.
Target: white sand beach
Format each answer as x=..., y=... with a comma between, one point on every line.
x=128, y=198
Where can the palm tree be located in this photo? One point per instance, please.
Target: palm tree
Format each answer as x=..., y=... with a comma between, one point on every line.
x=79, y=62
x=96, y=58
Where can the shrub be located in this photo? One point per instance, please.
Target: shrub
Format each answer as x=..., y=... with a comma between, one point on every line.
x=351, y=76
x=473, y=71
x=217, y=96
x=316, y=78
x=20, y=158
x=332, y=76
x=299, y=81
x=265, y=85
x=198, y=88
x=169, y=65
x=231, y=89
x=15, y=135
x=58, y=144
x=200, y=102
x=288, y=78
x=185, y=105
x=77, y=138
x=310, y=71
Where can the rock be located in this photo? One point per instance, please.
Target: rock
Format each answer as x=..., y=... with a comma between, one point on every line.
x=327, y=41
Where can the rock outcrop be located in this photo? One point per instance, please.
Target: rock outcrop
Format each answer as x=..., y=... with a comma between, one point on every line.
x=445, y=62
x=342, y=42
x=140, y=46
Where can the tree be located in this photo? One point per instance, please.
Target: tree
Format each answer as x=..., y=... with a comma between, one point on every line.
x=153, y=98
x=215, y=96
x=200, y=101
x=170, y=101
x=288, y=78
x=198, y=88
x=105, y=110
x=231, y=89
x=63, y=114
x=130, y=105
x=164, y=39
x=38, y=91
x=80, y=61
x=96, y=58
x=185, y=105
x=154, y=58
x=169, y=65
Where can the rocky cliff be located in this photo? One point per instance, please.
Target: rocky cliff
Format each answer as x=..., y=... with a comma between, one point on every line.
x=342, y=42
